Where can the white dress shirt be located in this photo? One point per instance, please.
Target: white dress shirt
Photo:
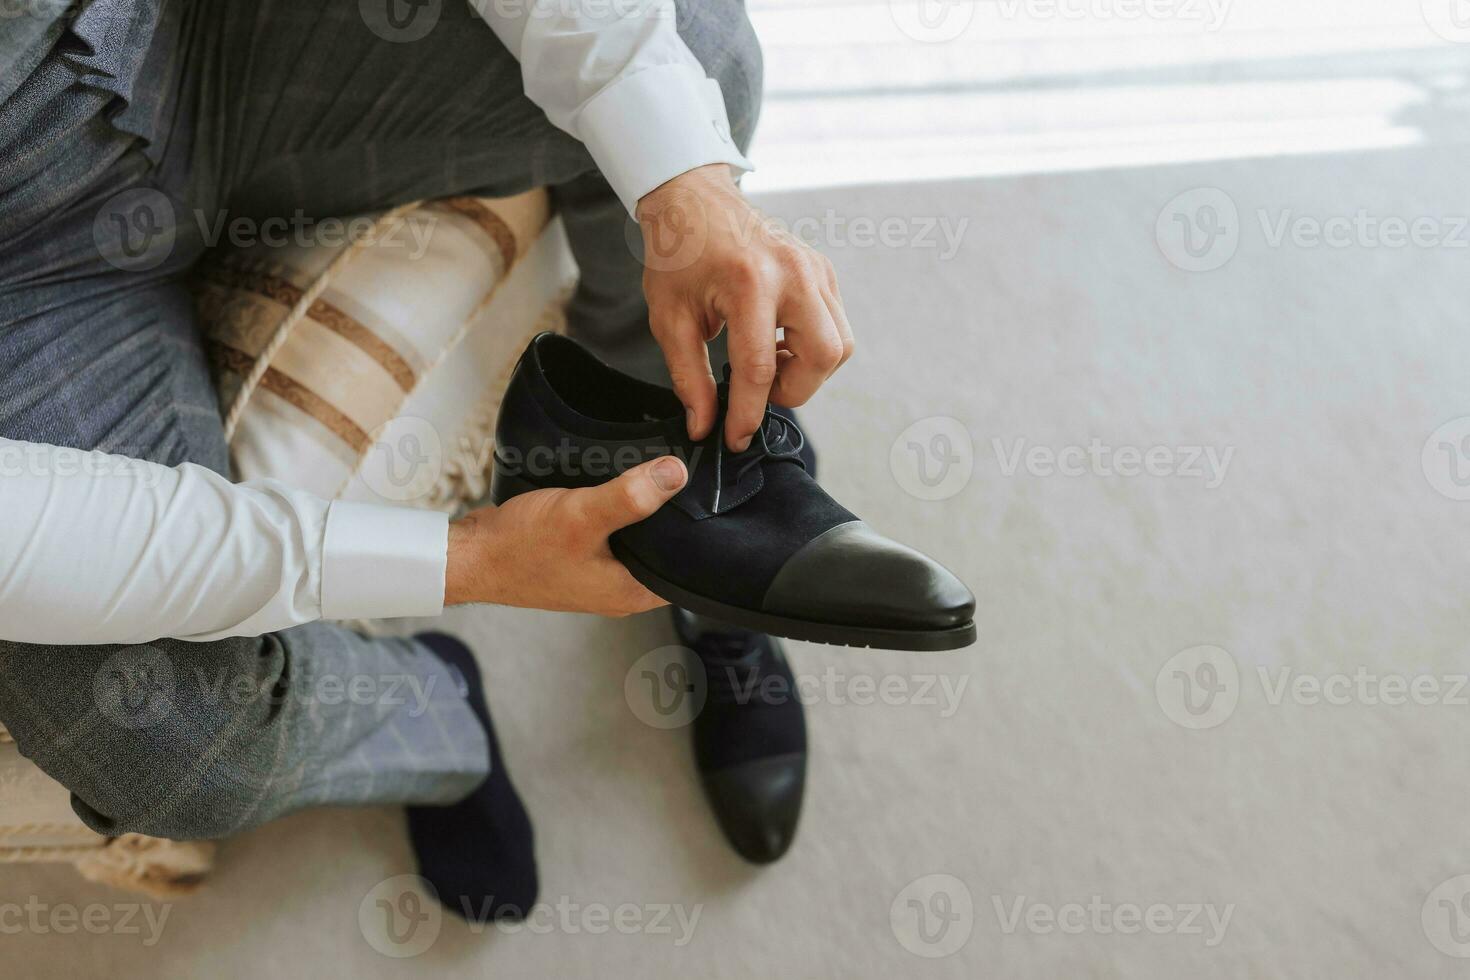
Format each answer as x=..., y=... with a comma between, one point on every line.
x=616, y=75
x=97, y=548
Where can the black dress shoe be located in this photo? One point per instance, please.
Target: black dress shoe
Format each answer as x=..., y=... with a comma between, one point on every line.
x=751, y=540
x=749, y=738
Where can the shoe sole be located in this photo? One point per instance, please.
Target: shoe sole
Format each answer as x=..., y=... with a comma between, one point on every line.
x=504, y=486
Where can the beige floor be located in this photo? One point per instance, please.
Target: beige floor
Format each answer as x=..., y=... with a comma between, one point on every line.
x=1059, y=777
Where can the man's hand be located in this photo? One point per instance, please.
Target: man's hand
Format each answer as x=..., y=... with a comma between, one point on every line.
x=548, y=549
x=711, y=260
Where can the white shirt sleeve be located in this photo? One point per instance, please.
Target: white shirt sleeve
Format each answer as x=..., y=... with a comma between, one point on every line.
x=617, y=76
x=96, y=548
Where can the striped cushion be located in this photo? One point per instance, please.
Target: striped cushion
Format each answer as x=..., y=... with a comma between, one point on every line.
x=372, y=370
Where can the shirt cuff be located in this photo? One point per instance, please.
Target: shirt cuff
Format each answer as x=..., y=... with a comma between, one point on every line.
x=653, y=125
x=383, y=562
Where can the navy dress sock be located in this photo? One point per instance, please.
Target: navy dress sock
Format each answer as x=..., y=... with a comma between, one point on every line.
x=479, y=853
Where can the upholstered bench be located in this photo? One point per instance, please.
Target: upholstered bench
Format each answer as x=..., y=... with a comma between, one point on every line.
x=364, y=366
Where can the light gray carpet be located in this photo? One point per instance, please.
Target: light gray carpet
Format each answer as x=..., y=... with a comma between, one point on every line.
x=1059, y=777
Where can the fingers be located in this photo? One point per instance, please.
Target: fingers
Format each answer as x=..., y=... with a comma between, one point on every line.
x=634, y=495
x=814, y=342
x=681, y=338
x=833, y=297
x=752, y=333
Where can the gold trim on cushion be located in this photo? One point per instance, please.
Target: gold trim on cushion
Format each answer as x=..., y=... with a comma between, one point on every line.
x=490, y=222
x=288, y=294
x=288, y=389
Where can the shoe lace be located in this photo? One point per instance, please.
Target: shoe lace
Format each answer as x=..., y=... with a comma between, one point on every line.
x=787, y=431
x=732, y=663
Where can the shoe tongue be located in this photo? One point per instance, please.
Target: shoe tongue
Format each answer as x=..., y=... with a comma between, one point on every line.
x=721, y=480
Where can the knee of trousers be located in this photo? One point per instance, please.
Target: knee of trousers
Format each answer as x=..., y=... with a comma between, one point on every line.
x=167, y=739
x=719, y=34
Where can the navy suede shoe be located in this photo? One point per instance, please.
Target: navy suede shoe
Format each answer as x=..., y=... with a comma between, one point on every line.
x=750, y=736
x=751, y=540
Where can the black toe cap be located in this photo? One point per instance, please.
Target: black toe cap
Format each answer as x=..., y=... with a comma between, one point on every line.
x=853, y=575
x=758, y=803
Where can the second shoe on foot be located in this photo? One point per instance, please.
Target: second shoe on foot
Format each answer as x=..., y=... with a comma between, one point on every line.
x=749, y=738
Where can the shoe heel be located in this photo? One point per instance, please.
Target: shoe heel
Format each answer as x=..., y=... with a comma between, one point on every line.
x=504, y=485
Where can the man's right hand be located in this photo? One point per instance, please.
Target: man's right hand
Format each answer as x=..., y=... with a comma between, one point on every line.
x=547, y=549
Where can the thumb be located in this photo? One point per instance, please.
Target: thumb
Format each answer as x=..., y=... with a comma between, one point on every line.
x=637, y=493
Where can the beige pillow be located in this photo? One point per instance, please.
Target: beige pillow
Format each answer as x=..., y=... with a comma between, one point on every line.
x=372, y=369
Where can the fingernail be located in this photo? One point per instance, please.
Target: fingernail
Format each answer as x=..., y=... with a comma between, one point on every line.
x=689, y=417
x=668, y=474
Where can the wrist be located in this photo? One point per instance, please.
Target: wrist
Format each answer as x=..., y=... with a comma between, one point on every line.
x=461, y=570
x=713, y=179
